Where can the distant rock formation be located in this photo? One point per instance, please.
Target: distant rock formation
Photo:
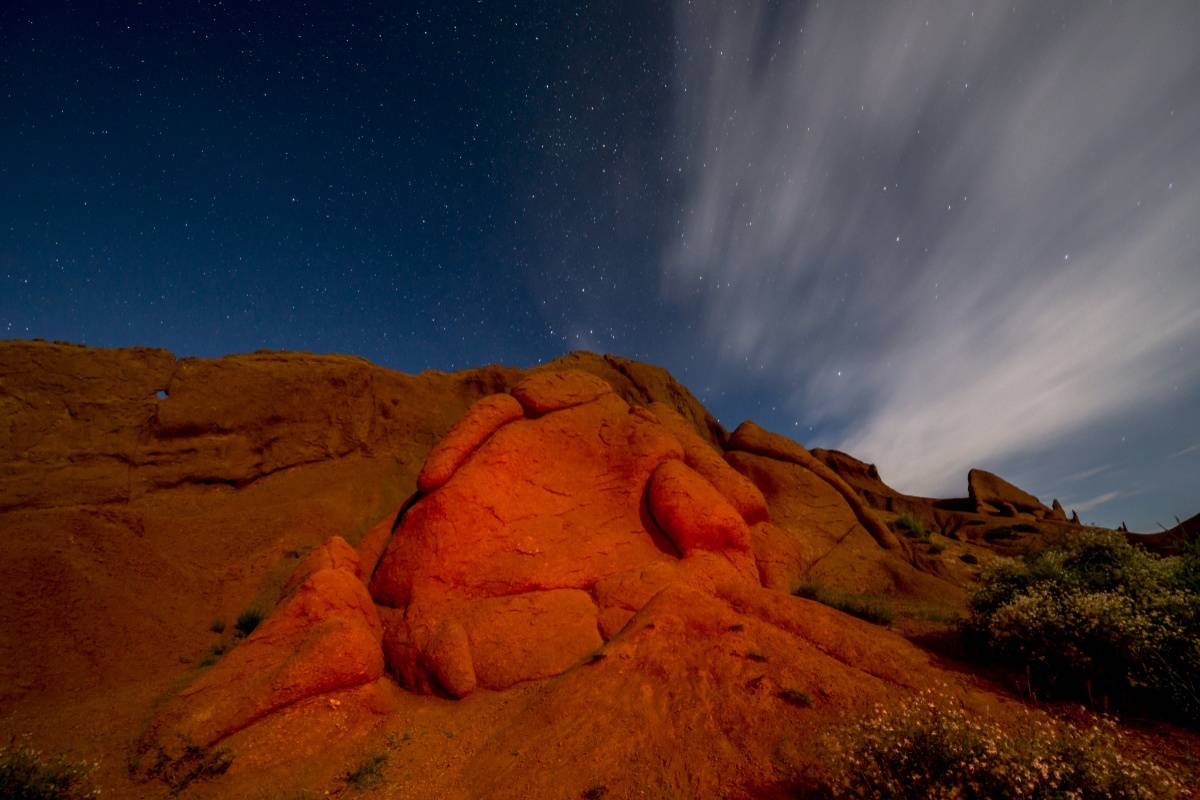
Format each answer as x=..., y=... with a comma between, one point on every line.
x=992, y=494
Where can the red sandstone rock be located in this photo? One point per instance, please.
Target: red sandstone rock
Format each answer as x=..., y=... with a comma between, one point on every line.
x=701, y=456
x=692, y=512
x=537, y=515
x=448, y=656
x=373, y=543
x=482, y=420
x=336, y=553
x=753, y=439
x=325, y=637
x=542, y=392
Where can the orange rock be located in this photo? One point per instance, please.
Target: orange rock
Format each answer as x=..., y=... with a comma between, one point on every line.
x=782, y=557
x=753, y=439
x=482, y=420
x=333, y=554
x=325, y=637
x=529, y=636
x=448, y=656
x=547, y=503
x=536, y=516
x=704, y=458
x=542, y=392
x=373, y=543
x=692, y=512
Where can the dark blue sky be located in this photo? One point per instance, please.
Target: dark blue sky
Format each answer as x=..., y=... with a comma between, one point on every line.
x=938, y=238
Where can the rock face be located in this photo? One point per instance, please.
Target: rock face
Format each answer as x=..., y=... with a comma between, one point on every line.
x=586, y=522
x=325, y=636
x=993, y=494
x=496, y=569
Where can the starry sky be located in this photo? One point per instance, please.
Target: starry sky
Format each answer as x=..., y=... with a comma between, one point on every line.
x=936, y=235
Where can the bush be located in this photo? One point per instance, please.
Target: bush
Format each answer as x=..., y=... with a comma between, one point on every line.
x=931, y=747
x=24, y=775
x=912, y=524
x=855, y=605
x=248, y=620
x=1096, y=616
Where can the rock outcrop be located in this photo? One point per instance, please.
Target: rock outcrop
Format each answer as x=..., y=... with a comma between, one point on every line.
x=579, y=550
x=992, y=494
x=496, y=569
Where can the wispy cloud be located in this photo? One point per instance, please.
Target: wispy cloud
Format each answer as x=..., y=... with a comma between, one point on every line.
x=962, y=234
x=1088, y=505
x=1186, y=451
x=1087, y=473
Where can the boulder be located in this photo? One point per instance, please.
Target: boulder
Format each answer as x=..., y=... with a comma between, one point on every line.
x=701, y=456
x=543, y=392
x=325, y=637
x=448, y=656
x=750, y=438
x=482, y=420
x=336, y=553
x=551, y=532
x=692, y=512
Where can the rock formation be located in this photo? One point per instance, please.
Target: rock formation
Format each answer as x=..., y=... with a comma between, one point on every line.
x=993, y=494
x=521, y=583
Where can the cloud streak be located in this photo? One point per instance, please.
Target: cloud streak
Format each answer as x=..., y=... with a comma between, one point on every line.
x=960, y=235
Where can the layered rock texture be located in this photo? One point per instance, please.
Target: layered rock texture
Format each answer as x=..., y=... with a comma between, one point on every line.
x=558, y=582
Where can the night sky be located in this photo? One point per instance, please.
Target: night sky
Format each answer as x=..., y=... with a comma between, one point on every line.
x=937, y=235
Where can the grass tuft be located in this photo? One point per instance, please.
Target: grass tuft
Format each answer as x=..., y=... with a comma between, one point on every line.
x=865, y=608
x=369, y=772
x=248, y=620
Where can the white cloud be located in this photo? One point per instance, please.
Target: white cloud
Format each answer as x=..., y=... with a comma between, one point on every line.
x=969, y=232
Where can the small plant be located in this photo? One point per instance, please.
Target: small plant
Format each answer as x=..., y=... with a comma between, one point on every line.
x=369, y=773
x=192, y=764
x=855, y=605
x=936, y=548
x=795, y=697
x=930, y=746
x=213, y=654
x=911, y=524
x=248, y=620
x=217, y=625
x=25, y=775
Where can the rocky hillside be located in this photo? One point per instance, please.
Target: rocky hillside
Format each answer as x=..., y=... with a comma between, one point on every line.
x=568, y=581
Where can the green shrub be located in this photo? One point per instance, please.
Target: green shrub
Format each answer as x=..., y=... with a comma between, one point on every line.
x=1095, y=616
x=369, y=773
x=859, y=606
x=912, y=524
x=181, y=769
x=217, y=625
x=25, y=775
x=931, y=747
x=248, y=620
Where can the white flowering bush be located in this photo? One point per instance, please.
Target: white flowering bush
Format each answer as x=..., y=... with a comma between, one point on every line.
x=930, y=747
x=26, y=775
x=1097, y=617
